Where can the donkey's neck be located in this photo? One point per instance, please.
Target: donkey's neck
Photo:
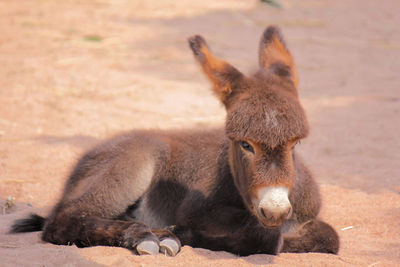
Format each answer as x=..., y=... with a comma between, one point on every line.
x=225, y=187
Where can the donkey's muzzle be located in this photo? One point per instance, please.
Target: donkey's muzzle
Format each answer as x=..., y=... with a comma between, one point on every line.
x=274, y=207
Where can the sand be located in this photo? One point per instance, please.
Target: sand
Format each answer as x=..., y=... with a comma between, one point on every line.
x=76, y=72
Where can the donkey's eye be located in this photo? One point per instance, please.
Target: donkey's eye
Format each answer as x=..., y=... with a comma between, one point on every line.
x=246, y=146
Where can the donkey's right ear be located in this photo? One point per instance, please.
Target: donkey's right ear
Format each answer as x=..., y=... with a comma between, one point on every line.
x=224, y=77
x=275, y=56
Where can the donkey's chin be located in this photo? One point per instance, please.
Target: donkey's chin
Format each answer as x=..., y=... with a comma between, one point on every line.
x=270, y=224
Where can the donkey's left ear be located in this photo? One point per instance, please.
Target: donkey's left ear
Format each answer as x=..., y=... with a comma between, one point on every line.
x=224, y=77
x=274, y=55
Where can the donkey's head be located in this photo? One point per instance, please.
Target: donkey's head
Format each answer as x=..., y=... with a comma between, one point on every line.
x=264, y=122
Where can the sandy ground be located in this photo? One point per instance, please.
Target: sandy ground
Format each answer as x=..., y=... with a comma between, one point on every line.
x=75, y=72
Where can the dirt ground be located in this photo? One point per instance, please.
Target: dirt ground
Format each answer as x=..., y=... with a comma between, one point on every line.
x=74, y=72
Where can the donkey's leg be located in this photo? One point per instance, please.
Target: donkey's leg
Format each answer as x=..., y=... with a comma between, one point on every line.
x=95, y=231
x=210, y=224
x=104, y=184
x=312, y=236
x=247, y=236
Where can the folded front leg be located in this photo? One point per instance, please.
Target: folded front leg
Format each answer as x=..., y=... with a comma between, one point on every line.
x=218, y=226
x=312, y=236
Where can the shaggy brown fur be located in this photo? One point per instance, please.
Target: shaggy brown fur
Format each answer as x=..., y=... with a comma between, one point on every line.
x=202, y=188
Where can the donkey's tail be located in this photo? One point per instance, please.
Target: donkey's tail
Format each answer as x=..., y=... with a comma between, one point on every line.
x=31, y=224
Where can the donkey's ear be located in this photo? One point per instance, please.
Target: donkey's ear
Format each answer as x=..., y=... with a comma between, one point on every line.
x=224, y=77
x=274, y=55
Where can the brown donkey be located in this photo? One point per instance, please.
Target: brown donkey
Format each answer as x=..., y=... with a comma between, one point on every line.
x=241, y=189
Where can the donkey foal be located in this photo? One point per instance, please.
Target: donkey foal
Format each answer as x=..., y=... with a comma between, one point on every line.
x=240, y=189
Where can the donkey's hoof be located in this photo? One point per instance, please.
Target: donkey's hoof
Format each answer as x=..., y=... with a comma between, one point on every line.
x=148, y=247
x=169, y=247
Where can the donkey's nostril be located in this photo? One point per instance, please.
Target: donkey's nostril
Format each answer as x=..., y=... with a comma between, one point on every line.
x=262, y=212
